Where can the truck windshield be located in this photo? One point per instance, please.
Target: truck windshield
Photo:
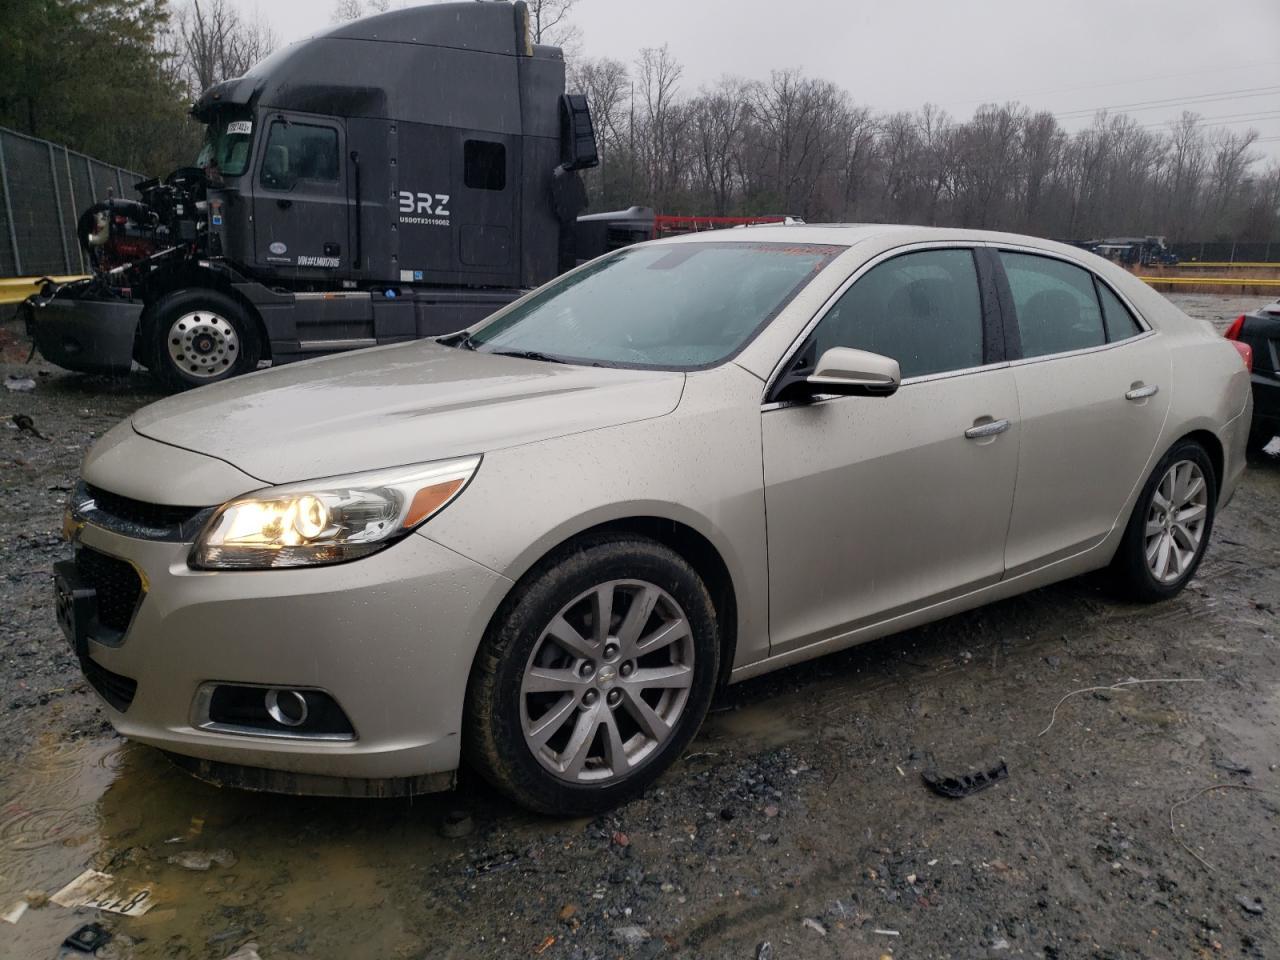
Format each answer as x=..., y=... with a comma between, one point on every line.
x=226, y=143
x=677, y=306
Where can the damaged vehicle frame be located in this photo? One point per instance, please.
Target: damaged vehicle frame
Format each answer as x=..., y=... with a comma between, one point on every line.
x=429, y=182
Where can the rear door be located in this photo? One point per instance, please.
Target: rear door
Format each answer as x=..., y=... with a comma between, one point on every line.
x=300, y=205
x=1093, y=391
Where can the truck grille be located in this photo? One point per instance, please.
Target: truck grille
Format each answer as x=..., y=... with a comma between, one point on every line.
x=117, y=690
x=136, y=518
x=118, y=586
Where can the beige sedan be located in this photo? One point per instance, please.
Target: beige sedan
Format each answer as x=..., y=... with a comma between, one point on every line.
x=539, y=546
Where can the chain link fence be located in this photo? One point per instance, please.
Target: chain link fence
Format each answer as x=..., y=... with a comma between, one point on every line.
x=43, y=189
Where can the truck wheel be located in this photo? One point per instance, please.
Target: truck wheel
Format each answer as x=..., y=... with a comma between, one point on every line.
x=195, y=337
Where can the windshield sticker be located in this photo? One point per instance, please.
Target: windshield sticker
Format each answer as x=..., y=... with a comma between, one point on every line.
x=240, y=126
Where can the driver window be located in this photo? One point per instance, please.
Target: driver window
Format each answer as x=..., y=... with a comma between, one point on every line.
x=922, y=309
x=299, y=151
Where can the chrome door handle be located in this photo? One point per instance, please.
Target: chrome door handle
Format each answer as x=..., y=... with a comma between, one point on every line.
x=1141, y=393
x=989, y=429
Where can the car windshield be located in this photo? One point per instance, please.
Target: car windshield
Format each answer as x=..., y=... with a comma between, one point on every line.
x=669, y=306
x=226, y=143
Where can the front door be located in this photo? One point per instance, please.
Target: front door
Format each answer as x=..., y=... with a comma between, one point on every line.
x=877, y=506
x=300, y=198
x=1093, y=387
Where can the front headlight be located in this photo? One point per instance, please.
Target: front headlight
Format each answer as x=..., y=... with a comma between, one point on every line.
x=329, y=520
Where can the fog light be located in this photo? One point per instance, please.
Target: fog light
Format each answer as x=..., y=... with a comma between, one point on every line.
x=286, y=707
x=270, y=712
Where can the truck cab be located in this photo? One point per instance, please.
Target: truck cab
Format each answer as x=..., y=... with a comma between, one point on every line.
x=430, y=180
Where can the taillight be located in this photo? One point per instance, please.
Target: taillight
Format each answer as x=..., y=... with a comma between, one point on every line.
x=1233, y=331
x=1246, y=354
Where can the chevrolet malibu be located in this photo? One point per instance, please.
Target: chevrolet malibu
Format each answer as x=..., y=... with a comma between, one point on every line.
x=538, y=546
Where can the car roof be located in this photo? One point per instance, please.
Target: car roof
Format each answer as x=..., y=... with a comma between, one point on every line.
x=848, y=234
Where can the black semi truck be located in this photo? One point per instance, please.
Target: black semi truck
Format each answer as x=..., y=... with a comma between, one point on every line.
x=397, y=177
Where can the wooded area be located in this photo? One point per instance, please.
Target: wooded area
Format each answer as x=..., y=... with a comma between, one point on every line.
x=800, y=145
x=113, y=78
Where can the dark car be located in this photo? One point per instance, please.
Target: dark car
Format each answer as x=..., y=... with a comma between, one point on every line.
x=1260, y=331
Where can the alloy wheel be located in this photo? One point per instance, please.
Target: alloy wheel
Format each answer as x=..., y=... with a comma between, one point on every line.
x=607, y=681
x=1175, y=521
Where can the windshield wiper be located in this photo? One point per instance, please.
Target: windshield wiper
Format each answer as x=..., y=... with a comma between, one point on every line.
x=461, y=340
x=528, y=355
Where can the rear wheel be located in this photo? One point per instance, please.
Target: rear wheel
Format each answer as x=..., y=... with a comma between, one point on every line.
x=595, y=676
x=195, y=337
x=1170, y=527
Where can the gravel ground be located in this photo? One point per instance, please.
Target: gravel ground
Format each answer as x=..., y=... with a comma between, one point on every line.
x=797, y=819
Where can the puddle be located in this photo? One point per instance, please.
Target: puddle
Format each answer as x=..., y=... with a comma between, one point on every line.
x=311, y=877
x=1253, y=734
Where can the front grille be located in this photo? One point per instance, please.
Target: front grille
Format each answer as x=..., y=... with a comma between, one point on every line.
x=136, y=511
x=118, y=586
x=136, y=518
x=117, y=690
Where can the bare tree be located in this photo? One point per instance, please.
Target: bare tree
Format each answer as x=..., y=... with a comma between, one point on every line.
x=797, y=145
x=215, y=44
x=719, y=120
x=345, y=10
x=1231, y=158
x=607, y=87
x=794, y=116
x=549, y=23
x=937, y=137
x=660, y=125
x=1040, y=146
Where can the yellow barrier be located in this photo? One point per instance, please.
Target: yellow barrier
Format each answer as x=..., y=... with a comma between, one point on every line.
x=1223, y=265
x=17, y=289
x=1219, y=281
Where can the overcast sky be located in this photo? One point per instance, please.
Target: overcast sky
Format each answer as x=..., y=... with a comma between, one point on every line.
x=1221, y=59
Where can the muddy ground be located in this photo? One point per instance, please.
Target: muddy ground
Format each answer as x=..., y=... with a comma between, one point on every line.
x=797, y=819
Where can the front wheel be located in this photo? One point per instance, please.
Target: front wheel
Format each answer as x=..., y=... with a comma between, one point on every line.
x=196, y=337
x=1169, y=530
x=595, y=676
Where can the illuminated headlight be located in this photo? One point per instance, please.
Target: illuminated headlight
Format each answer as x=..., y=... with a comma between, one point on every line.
x=329, y=520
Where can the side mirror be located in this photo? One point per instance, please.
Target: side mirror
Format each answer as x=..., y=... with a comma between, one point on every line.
x=846, y=372
x=577, y=133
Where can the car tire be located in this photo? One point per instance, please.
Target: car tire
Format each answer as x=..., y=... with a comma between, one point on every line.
x=196, y=337
x=1156, y=557
x=540, y=694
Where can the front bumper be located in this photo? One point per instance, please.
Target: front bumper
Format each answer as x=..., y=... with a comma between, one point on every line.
x=390, y=637
x=83, y=334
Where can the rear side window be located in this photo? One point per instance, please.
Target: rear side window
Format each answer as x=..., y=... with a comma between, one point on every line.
x=299, y=151
x=484, y=165
x=922, y=309
x=1120, y=322
x=1056, y=303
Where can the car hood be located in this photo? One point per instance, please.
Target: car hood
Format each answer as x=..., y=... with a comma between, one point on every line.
x=389, y=406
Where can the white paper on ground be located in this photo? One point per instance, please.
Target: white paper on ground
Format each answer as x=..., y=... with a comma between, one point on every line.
x=15, y=912
x=101, y=891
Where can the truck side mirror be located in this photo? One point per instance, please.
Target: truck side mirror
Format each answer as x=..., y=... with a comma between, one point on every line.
x=577, y=133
